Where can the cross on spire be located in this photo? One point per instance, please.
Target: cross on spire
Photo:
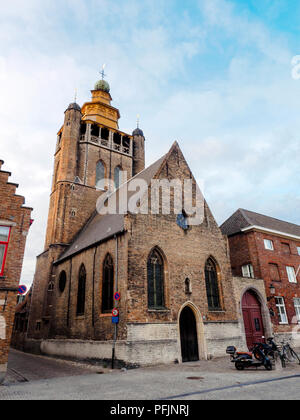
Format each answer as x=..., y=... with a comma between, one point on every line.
x=102, y=71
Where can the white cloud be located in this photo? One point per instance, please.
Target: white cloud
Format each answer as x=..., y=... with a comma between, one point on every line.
x=238, y=128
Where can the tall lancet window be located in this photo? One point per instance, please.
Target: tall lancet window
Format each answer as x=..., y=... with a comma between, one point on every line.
x=117, y=177
x=108, y=285
x=81, y=291
x=100, y=175
x=212, y=286
x=155, y=273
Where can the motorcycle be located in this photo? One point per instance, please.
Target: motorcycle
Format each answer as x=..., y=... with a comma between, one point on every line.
x=258, y=357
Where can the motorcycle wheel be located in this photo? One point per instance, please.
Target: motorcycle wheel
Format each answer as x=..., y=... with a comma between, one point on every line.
x=239, y=366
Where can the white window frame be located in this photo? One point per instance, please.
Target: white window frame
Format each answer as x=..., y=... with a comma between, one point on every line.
x=291, y=274
x=280, y=305
x=297, y=308
x=269, y=244
x=247, y=271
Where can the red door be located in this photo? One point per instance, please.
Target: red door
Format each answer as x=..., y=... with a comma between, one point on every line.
x=253, y=322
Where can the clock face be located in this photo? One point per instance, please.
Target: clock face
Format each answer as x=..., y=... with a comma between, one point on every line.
x=182, y=221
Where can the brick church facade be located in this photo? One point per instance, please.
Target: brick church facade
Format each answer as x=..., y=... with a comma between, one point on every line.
x=179, y=300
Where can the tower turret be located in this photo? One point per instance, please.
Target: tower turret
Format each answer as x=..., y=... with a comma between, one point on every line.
x=138, y=164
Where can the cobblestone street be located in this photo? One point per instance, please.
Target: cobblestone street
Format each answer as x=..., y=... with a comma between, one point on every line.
x=33, y=377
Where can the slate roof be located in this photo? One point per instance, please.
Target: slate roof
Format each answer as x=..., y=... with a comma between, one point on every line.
x=102, y=227
x=244, y=218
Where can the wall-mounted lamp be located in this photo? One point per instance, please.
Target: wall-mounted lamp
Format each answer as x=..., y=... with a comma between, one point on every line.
x=272, y=292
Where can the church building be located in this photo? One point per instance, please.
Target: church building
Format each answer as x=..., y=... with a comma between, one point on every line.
x=175, y=297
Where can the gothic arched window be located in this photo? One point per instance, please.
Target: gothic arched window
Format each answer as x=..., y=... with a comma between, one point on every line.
x=155, y=274
x=100, y=175
x=212, y=285
x=117, y=176
x=108, y=285
x=81, y=290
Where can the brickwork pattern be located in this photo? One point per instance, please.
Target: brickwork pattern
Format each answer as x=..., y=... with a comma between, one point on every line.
x=14, y=214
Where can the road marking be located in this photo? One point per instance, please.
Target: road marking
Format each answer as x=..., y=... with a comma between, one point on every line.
x=18, y=376
x=206, y=391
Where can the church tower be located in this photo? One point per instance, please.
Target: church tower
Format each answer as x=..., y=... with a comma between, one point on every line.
x=90, y=149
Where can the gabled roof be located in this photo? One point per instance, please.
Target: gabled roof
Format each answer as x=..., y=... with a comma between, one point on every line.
x=242, y=219
x=100, y=228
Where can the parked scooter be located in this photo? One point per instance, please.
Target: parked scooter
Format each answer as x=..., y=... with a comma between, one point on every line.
x=258, y=357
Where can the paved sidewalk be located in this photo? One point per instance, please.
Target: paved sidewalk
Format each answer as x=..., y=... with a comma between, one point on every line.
x=215, y=379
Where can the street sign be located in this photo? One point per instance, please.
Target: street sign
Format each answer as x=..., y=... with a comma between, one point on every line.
x=117, y=296
x=22, y=290
x=115, y=312
x=115, y=319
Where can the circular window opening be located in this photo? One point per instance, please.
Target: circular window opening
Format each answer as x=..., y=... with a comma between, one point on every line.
x=62, y=281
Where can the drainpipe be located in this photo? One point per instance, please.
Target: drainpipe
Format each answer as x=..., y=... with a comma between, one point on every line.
x=69, y=297
x=116, y=289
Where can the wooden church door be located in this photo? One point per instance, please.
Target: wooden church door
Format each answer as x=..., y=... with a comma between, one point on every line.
x=188, y=336
x=253, y=322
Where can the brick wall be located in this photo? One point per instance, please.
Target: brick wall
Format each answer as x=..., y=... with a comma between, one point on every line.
x=15, y=215
x=249, y=248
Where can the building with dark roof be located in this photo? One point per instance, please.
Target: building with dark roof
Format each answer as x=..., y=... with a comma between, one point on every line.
x=267, y=248
x=175, y=298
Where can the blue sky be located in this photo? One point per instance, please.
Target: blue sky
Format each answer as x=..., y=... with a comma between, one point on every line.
x=215, y=75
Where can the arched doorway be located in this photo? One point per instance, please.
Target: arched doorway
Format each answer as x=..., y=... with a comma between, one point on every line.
x=188, y=335
x=253, y=321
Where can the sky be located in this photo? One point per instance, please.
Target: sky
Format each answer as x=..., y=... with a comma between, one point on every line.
x=214, y=75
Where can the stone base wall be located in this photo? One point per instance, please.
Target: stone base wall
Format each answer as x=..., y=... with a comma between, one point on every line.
x=220, y=335
x=147, y=344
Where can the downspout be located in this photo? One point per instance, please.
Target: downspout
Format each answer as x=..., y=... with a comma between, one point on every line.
x=69, y=297
x=93, y=300
x=116, y=289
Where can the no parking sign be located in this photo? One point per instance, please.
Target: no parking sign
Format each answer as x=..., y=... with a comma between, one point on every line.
x=22, y=290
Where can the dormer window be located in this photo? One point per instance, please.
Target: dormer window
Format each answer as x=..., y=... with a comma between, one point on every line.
x=4, y=240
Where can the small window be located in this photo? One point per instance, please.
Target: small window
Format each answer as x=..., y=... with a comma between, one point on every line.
x=286, y=248
x=298, y=249
x=100, y=175
x=108, y=284
x=50, y=286
x=4, y=240
x=297, y=308
x=274, y=272
x=291, y=274
x=247, y=271
x=269, y=244
x=62, y=281
x=117, y=177
x=188, y=286
x=81, y=291
x=282, y=316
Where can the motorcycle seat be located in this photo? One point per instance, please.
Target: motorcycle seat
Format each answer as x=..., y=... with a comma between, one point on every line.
x=244, y=353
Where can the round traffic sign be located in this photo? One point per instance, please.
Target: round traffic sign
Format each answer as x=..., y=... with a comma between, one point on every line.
x=22, y=290
x=115, y=312
x=117, y=296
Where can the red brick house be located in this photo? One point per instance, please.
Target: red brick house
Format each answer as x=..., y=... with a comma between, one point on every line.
x=14, y=225
x=268, y=248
